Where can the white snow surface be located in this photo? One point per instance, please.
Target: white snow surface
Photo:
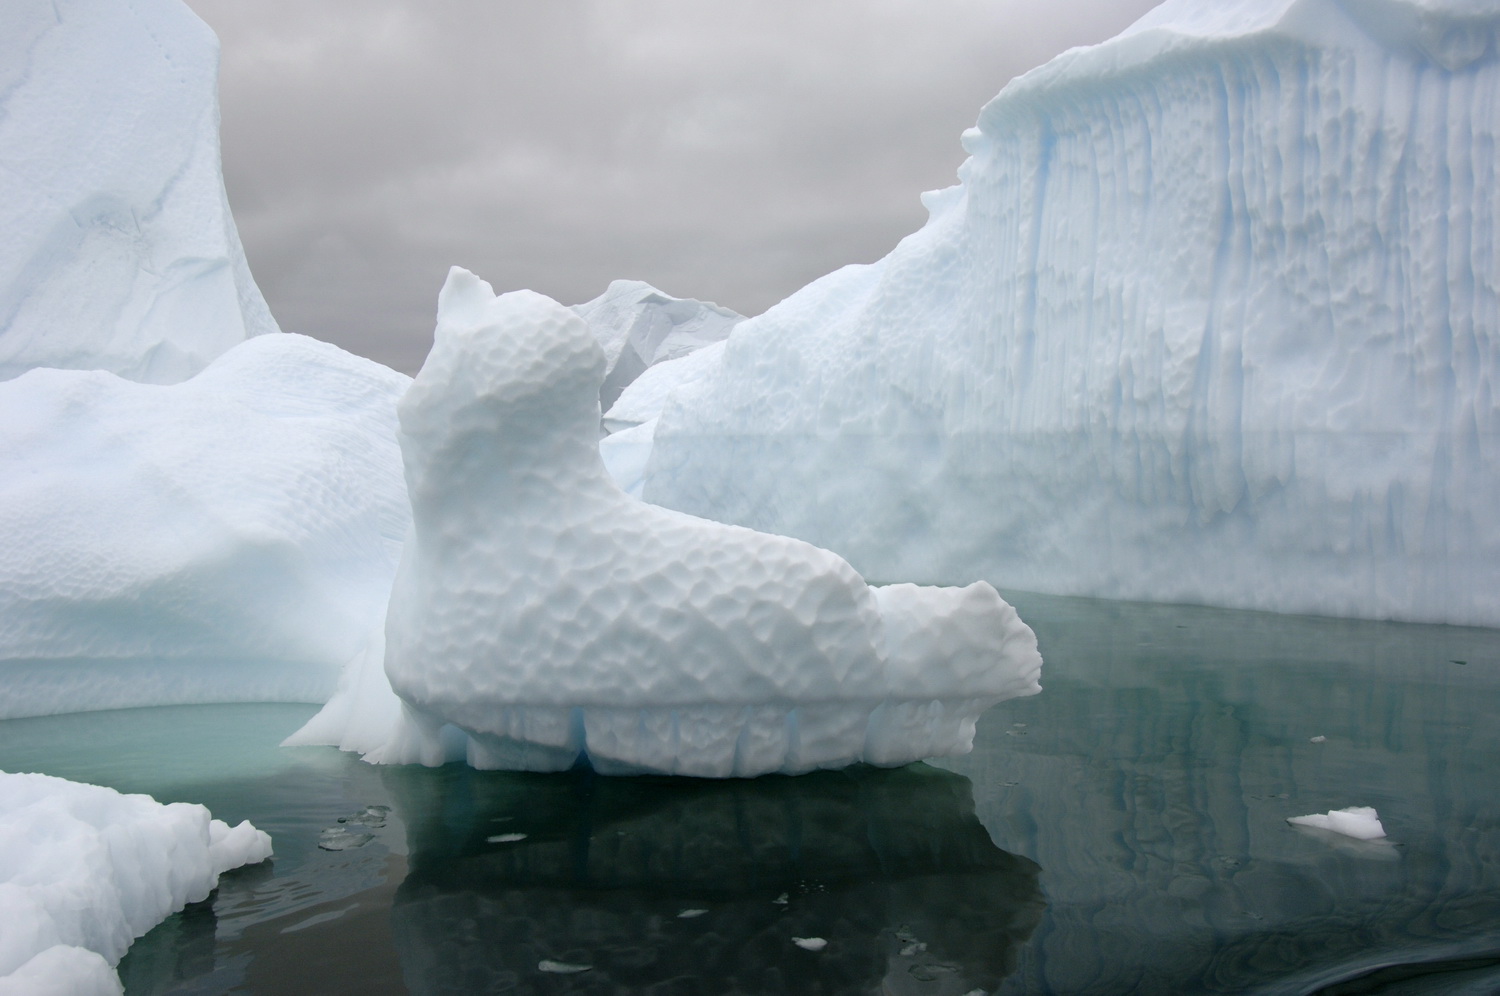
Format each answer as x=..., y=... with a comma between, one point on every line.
x=117, y=248
x=639, y=326
x=229, y=538
x=1213, y=316
x=1359, y=822
x=540, y=615
x=84, y=870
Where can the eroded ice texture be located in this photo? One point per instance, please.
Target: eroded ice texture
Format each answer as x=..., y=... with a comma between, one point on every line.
x=540, y=614
x=228, y=538
x=638, y=326
x=1214, y=316
x=85, y=870
x=117, y=248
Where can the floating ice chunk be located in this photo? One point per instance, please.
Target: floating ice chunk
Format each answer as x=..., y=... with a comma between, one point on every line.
x=232, y=537
x=540, y=616
x=691, y=914
x=561, y=967
x=810, y=943
x=1359, y=822
x=506, y=838
x=638, y=327
x=84, y=867
x=117, y=248
x=1210, y=318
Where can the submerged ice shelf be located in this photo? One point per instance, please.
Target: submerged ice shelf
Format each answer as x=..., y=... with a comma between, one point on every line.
x=540, y=615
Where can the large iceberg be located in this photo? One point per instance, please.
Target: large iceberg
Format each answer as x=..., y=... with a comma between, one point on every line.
x=117, y=248
x=540, y=616
x=85, y=870
x=1213, y=316
x=229, y=538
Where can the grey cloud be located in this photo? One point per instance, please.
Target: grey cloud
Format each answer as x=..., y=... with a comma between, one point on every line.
x=724, y=149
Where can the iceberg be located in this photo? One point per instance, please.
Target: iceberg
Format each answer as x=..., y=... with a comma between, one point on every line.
x=117, y=248
x=540, y=617
x=1359, y=822
x=638, y=327
x=1211, y=317
x=84, y=870
x=229, y=538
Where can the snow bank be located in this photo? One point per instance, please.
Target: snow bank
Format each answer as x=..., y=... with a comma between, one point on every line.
x=117, y=248
x=85, y=870
x=547, y=616
x=1212, y=317
x=638, y=327
x=232, y=537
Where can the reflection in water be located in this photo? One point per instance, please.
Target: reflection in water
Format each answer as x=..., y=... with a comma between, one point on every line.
x=674, y=886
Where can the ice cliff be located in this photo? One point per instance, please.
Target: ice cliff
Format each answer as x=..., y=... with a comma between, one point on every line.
x=540, y=615
x=117, y=248
x=1213, y=316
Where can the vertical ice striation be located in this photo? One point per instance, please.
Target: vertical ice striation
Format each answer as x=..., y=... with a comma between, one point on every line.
x=117, y=248
x=1213, y=316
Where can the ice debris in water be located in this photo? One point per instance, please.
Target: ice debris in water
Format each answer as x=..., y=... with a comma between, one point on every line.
x=371, y=816
x=561, y=967
x=690, y=914
x=340, y=839
x=1359, y=822
x=810, y=943
x=541, y=617
x=84, y=870
x=505, y=838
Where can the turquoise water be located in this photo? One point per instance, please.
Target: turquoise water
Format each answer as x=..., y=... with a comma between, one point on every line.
x=1123, y=832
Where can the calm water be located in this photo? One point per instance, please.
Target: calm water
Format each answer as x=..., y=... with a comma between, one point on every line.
x=1123, y=832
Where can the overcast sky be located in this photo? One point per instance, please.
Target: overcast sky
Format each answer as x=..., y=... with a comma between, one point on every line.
x=730, y=150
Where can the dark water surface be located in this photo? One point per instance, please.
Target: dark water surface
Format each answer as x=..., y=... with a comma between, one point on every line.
x=1123, y=832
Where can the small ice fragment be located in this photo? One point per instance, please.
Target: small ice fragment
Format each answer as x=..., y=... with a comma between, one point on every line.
x=781, y=900
x=560, y=967
x=1359, y=822
x=373, y=817
x=914, y=948
x=1317, y=740
x=505, y=838
x=810, y=943
x=339, y=839
x=689, y=914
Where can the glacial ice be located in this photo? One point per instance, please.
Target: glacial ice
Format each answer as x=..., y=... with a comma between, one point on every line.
x=117, y=248
x=85, y=870
x=638, y=327
x=1213, y=316
x=228, y=538
x=540, y=615
x=1359, y=822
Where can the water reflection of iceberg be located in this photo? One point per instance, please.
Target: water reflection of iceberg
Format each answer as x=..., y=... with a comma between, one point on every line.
x=890, y=867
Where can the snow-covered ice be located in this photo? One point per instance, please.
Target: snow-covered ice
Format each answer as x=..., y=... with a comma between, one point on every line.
x=1359, y=822
x=639, y=327
x=229, y=538
x=1213, y=316
x=540, y=615
x=117, y=248
x=84, y=870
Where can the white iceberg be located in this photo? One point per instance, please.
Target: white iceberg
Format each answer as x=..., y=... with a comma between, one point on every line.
x=117, y=248
x=540, y=616
x=85, y=870
x=1359, y=822
x=1212, y=317
x=229, y=538
x=638, y=327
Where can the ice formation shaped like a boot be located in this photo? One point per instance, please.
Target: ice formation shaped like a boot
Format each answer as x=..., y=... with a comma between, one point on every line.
x=550, y=617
